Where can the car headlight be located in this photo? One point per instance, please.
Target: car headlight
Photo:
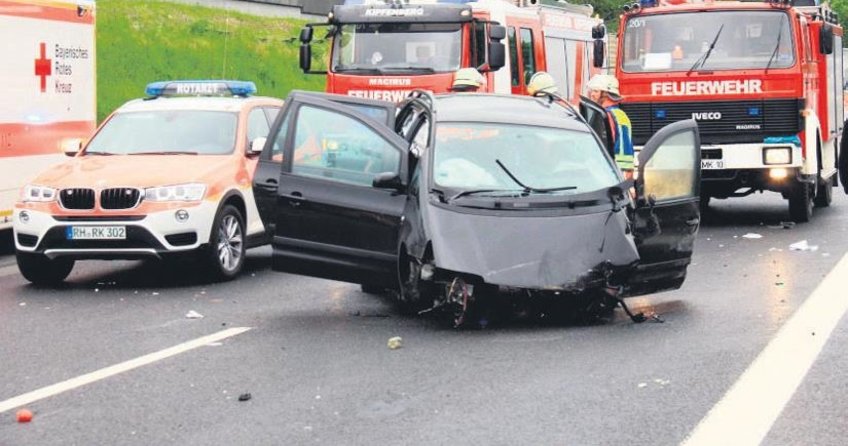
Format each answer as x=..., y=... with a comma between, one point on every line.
x=33, y=193
x=180, y=192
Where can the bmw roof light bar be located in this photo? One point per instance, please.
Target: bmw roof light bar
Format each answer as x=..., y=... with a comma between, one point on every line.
x=200, y=88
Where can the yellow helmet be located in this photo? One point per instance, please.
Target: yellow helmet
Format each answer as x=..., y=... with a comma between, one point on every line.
x=542, y=82
x=468, y=79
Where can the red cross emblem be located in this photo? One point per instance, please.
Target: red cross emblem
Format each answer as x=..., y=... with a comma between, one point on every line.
x=43, y=67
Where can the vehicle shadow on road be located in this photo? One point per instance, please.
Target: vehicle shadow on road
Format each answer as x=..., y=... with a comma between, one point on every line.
x=7, y=245
x=727, y=213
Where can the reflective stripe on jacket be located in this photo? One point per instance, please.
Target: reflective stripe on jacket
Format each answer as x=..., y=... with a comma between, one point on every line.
x=623, y=147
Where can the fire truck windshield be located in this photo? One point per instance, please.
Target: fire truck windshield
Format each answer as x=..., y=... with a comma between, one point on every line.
x=682, y=41
x=387, y=48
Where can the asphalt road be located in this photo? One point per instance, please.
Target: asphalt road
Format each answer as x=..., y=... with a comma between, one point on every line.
x=318, y=369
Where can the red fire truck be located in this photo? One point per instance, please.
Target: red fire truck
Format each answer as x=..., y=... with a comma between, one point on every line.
x=762, y=79
x=382, y=49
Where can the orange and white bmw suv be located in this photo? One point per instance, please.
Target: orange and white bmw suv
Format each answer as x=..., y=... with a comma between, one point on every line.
x=167, y=174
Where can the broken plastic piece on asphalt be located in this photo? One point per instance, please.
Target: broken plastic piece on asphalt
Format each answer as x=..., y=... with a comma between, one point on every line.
x=752, y=235
x=155, y=293
x=245, y=396
x=643, y=385
x=22, y=304
x=193, y=315
x=24, y=416
x=803, y=246
x=395, y=343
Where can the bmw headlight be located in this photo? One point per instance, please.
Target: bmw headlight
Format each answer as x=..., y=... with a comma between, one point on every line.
x=34, y=193
x=179, y=192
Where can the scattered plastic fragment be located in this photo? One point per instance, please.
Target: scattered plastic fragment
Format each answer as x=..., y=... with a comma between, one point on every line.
x=245, y=397
x=752, y=235
x=662, y=382
x=24, y=416
x=395, y=343
x=193, y=315
x=643, y=385
x=155, y=293
x=803, y=246
x=97, y=290
x=23, y=304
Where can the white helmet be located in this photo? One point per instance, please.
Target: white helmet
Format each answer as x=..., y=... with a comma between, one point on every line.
x=607, y=83
x=468, y=79
x=542, y=82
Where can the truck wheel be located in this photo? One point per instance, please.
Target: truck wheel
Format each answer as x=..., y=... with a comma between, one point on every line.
x=824, y=194
x=224, y=256
x=372, y=289
x=40, y=270
x=801, y=202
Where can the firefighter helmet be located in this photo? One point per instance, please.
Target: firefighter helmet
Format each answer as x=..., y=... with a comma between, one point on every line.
x=468, y=79
x=606, y=83
x=542, y=82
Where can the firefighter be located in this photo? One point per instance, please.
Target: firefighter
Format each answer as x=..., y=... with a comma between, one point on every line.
x=542, y=83
x=603, y=89
x=468, y=80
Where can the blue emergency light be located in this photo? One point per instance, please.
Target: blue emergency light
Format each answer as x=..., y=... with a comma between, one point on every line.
x=200, y=88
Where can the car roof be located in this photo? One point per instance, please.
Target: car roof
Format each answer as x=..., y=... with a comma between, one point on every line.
x=211, y=103
x=505, y=109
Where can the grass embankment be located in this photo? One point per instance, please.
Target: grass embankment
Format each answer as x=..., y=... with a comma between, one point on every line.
x=139, y=42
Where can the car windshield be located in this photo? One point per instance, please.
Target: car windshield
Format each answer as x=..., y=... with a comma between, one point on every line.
x=397, y=47
x=681, y=42
x=475, y=156
x=166, y=131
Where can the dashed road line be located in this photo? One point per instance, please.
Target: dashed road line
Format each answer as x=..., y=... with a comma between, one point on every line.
x=125, y=366
x=746, y=413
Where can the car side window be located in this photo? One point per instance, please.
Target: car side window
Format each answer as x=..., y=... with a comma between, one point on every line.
x=670, y=173
x=272, y=113
x=257, y=124
x=337, y=147
x=276, y=154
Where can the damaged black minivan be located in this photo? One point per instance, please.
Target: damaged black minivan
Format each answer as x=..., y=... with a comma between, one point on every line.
x=448, y=198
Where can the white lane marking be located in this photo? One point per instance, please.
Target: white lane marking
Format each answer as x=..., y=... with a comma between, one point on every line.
x=748, y=410
x=106, y=372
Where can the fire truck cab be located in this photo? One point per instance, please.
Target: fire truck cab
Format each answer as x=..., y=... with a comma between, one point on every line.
x=764, y=81
x=383, y=49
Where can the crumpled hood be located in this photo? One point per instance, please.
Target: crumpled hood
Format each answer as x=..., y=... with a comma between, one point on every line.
x=133, y=170
x=529, y=251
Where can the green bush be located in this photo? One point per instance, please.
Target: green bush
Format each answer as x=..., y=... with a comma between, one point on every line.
x=139, y=42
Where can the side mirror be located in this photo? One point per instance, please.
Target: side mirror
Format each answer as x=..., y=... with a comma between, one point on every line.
x=826, y=39
x=497, y=33
x=497, y=56
x=256, y=145
x=388, y=180
x=71, y=146
x=306, y=34
x=599, y=31
x=305, y=57
x=598, y=53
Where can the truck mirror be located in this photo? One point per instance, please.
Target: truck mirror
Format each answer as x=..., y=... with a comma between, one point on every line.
x=598, y=53
x=256, y=146
x=305, y=57
x=497, y=32
x=599, y=31
x=306, y=34
x=497, y=56
x=826, y=39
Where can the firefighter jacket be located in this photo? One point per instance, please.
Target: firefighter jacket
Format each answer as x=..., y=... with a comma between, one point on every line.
x=622, y=137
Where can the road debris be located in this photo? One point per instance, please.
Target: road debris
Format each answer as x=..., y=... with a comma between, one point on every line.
x=752, y=235
x=803, y=246
x=24, y=416
x=643, y=385
x=22, y=304
x=783, y=225
x=193, y=315
x=395, y=343
x=245, y=397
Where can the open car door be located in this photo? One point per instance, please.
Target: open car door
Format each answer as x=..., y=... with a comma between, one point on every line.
x=843, y=160
x=666, y=216
x=596, y=116
x=340, y=193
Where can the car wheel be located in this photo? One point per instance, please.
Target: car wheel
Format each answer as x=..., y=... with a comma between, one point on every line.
x=413, y=293
x=226, y=250
x=40, y=270
x=824, y=195
x=801, y=202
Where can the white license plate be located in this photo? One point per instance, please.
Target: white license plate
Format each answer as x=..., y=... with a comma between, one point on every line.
x=712, y=164
x=96, y=232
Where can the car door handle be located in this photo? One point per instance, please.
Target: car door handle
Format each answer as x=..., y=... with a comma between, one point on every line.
x=295, y=199
x=269, y=184
x=693, y=221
